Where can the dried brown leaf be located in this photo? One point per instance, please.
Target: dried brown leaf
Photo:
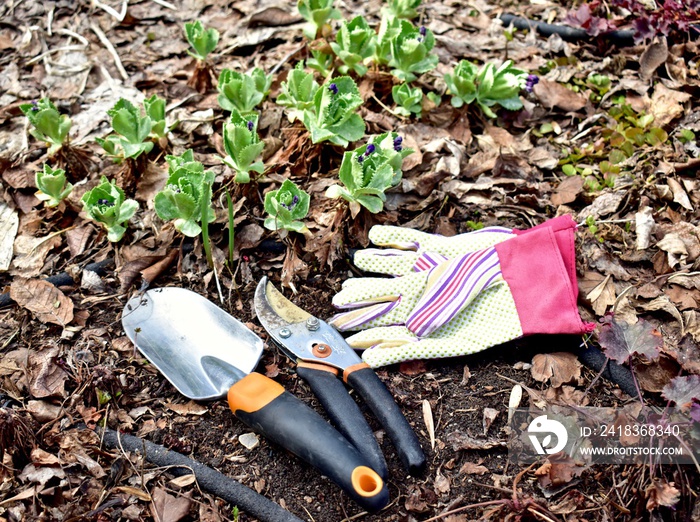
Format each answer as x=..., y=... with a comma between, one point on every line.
x=661, y=493
x=189, y=408
x=429, y=423
x=490, y=415
x=413, y=367
x=44, y=300
x=620, y=340
x=567, y=191
x=554, y=94
x=667, y=104
x=9, y=223
x=151, y=181
x=30, y=253
x=463, y=441
x=560, y=368
x=655, y=376
x=169, y=508
x=653, y=57
x=683, y=391
x=559, y=469
x=470, y=468
x=77, y=239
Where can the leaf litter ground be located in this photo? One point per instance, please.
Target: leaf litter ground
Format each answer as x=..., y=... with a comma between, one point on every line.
x=67, y=365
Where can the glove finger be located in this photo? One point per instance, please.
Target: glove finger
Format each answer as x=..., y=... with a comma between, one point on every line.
x=398, y=237
x=451, y=287
x=389, y=335
x=359, y=291
x=390, y=261
x=356, y=318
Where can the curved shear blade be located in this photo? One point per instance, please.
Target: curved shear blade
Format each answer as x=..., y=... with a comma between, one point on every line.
x=297, y=332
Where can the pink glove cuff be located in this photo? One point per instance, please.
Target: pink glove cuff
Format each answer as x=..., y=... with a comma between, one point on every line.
x=540, y=269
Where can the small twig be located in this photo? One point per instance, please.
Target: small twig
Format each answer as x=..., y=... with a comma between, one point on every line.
x=105, y=41
x=165, y=4
x=119, y=16
x=73, y=34
x=53, y=51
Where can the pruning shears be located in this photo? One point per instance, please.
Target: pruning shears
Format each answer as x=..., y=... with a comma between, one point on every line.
x=322, y=356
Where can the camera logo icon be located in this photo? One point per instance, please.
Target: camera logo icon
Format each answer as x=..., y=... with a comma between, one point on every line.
x=543, y=427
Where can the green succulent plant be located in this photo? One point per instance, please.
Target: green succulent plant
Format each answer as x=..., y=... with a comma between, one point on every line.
x=203, y=41
x=107, y=204
x=243, y=146
x=48, y=125
x=286, y=207
x=367, y=172
x=52, y=184
x=354, y=43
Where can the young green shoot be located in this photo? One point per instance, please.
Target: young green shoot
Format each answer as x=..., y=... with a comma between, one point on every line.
x=132, y=130
x=286, y=207
x=155, y=110
x=180, y=200
x=410, y=52
x=317, y=13
x=231, y=227
x=243, y=146
x=321, y=62
x=333, y=115
x=203, y=41
x=106, y=204
x=488, y=86
x=389, y=28
x=243, y=92
x=52, y=184
x=297, y=93
x=367, y=172
x=406, y=9
x=408, y=100
x=354, y=44
x=48, y=125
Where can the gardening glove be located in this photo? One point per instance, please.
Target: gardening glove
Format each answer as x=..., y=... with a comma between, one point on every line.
x=412, y=250
x=522, y=286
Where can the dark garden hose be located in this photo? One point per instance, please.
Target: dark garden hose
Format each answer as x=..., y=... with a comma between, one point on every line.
x=570, y=34
x=65, y=279
x=208, y=479
x=592, y=357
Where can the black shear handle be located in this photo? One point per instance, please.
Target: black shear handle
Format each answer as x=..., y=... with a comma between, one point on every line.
x=344, y=414
x=380, y=401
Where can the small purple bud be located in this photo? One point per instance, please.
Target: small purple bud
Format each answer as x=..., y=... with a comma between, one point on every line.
x=398, y=140
x=531, y=81
x=250, y=126
x=295, y=200
x=360, y=158
x=370, y=149
x=105, y=202
x=333, y=88
x=35, y=106
x=422, y=30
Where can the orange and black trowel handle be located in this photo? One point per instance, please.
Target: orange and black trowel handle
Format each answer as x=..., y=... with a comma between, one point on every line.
x=265, y=406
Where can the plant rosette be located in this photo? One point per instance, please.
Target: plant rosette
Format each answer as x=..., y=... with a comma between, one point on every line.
x=48, y=124
x=181, y=199
x=107, y=204
x=52, y=184
x=203, y=41
x=297, y=93
x=243, y=146
x=317, y=13
x=354, y=43
x=286, y=207
x=333, y=116
x=488, y=86
x=132, y=132
x=369, y=171
x=242, y=92
x=410, y=52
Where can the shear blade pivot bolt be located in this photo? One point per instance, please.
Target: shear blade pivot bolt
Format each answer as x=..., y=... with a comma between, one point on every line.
x=285, y=332
x=312, y=324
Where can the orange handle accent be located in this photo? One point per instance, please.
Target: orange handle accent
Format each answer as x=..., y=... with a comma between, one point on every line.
x=253, y=392
x=366, y=482
x=317, y=366
x=353, y=368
